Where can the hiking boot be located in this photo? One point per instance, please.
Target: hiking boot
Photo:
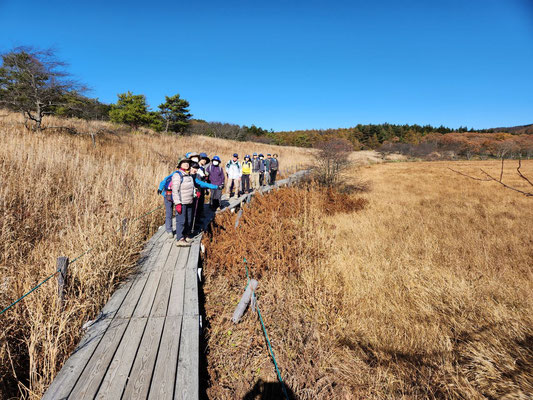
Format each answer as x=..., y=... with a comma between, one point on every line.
x=182, y=243
x=189, y=240
x=170, y=235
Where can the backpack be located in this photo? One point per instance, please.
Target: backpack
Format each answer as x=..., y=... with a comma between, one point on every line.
x=169, y=179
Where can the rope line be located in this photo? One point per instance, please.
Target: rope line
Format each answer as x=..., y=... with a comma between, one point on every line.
x=71, y=262
x=35, y=288
x=280, y=379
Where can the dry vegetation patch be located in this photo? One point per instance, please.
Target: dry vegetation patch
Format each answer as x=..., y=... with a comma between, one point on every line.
x=62, y=194
x=424, y=293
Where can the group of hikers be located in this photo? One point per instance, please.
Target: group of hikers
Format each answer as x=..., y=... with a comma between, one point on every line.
x=185, y=189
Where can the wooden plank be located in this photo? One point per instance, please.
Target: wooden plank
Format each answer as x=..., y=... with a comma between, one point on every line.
x=163, y=255
x=173, y=257
x=175, y=305
x=93, y=374
x=116, y=376
x=164, y=377
x=159, y=308
x=147, y=296
x=187, y=377
x=141, y=373
x=130, y=302
x=190, y=299
x=146, y=299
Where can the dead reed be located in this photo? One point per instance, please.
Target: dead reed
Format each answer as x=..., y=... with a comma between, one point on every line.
x=427, y=292
x=61, y=194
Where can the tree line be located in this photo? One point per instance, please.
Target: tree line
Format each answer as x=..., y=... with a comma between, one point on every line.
x=35, y=83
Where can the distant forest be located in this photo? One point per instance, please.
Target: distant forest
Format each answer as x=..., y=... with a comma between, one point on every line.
x=35, y=83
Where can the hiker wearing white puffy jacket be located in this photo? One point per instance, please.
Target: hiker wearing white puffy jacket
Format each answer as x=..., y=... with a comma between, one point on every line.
x=183, y=192
x=234, y=172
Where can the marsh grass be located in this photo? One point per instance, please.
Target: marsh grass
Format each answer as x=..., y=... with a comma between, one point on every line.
x=60, y=195
x=425, y=292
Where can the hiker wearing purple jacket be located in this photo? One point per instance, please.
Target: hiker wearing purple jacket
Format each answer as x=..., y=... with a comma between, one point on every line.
x=216, y=176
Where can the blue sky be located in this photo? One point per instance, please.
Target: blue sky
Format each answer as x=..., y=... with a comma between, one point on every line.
x=287, y=65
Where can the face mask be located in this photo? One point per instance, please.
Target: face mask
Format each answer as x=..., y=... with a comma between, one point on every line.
x=215, y=163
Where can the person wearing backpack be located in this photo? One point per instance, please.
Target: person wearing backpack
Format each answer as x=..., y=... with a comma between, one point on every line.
x=165, y=190
x=216, y=176
x=256, y=170
x=274, y=166
x=183, y=192
x=246, y=168
x=233, y=169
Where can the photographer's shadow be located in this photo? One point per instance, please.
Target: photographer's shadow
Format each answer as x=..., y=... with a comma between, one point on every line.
x=269, y=391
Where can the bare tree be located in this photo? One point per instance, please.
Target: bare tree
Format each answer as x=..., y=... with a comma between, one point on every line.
x=331, y=159
x=34, y=83
x=488, y=177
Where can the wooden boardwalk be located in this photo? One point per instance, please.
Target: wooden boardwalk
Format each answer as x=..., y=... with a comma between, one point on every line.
x=145, y=343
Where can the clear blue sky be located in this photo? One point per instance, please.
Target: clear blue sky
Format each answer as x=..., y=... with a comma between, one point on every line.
x=291, y=65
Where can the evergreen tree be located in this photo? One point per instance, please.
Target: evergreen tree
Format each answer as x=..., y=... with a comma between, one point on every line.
x=130, y=109
x=175, y=112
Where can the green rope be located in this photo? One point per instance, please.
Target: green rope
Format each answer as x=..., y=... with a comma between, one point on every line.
x=272, y=353
x=280, y=379
x=20, y=298
x=70, y=262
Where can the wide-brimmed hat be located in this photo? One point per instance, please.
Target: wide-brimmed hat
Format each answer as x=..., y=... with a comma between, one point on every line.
x=188, y=160
x=203, y=156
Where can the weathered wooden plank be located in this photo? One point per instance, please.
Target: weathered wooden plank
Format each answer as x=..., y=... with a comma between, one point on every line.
x=164, y=377
x=190, y=298
x=141, y=373
x=130, y=302
x=116, y=376
x=94, y=372
x=159, y=308
x=187, y=377
x=175, y=305
x=146, y=299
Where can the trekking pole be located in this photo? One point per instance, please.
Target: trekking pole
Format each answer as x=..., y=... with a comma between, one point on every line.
x=195, y=209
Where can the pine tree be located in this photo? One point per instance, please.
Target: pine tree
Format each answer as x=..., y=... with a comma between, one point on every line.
x=175, y=113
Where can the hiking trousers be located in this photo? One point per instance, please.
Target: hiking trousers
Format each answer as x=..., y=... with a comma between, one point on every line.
x=236, y=186
x=255, y=180
x=273, y=174
x=245, y=183
x=169, y=211
x=184, y=221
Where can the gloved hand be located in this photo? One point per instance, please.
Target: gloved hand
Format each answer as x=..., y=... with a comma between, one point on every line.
x=159, y=191
x=178, y=208
x=198, y=194
x=221, y=187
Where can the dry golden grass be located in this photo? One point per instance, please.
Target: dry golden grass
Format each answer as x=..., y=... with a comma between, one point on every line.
x=425, y=293
x=61, y=195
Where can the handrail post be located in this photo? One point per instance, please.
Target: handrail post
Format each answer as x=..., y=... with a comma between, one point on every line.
x=62, y=268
